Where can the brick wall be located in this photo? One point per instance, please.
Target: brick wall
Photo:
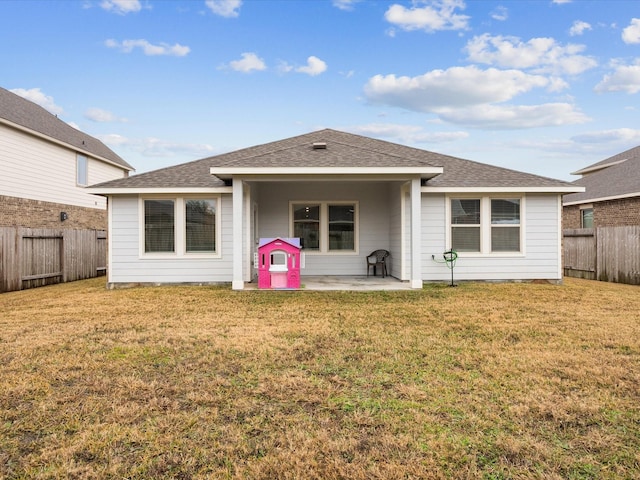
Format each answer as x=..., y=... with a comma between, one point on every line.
x=571, y=216
x=610, y=213
x=22, y=212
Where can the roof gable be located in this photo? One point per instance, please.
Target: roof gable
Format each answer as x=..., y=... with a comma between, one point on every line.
x=618, y=176
x=609, y=162
x=28, y=115
x=340, y=150
x=344, y=152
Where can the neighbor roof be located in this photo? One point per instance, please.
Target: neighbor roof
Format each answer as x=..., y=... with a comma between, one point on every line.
x=23, y=113
x=334, y=151
x=615, y=177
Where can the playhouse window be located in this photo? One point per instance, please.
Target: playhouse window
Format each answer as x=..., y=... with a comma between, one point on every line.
x=325, y=227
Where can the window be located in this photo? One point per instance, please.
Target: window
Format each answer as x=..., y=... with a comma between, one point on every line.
x=201, y=225
x=159, y=226
x=341, y=227
x=181, y=226
x=465, y=225
x=586, y=217
x=325, y=226
x=82, y=170
x=505, y=225
x=486, y=225
x=306, y=225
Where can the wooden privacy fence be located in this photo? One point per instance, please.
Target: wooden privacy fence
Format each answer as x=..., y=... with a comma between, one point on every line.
x=31, y=257
x=609, y=254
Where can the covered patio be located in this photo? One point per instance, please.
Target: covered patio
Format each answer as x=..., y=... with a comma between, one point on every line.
x=346, y=283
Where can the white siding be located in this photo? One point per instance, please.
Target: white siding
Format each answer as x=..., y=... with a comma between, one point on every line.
x=541, y=237
x=374, y=213
x=39, y=170
x=128, y=267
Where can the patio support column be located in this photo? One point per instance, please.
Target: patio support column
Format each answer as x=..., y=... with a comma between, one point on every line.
x=416, y=234
x=237, y=195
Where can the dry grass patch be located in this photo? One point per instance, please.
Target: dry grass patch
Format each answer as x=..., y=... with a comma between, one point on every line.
x=489, y=381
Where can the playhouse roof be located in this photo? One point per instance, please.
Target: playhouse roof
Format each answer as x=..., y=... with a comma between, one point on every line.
x=294, y=242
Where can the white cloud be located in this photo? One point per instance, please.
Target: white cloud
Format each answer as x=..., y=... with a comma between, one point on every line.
x=578, y=28
x=543, y=55
x=508, y=117
x=433, y=16
x=406, y=133
x=121, y=7
x=559, y=2
x=39, y=98
x=500, y=13
x=468, y=96
x=225, y=8
x=625, y=78
x=147, y=48
x=607, y=136
x=102, y=116
x=454, y=87
x=314, y=66
x=631, y=34
x=154, y=147
x=345, y=4
x=250, y=62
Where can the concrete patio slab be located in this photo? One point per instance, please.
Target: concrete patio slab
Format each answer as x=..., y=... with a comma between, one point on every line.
x=343, y=282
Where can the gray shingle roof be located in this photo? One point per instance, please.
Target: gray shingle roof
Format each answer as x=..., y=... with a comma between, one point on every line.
x=27, y=114
x=622, y=178
x=343, y=150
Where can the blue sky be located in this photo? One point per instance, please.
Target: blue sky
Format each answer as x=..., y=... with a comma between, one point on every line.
x=546, y=86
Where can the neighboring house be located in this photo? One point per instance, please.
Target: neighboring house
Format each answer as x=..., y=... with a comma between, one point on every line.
x=612, y=195
x=344, y=195
x=45, y=165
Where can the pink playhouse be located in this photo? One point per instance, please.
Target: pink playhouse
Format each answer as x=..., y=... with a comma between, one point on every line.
x=279, y=263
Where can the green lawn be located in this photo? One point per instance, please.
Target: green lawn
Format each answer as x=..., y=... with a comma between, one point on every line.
x=488, y=381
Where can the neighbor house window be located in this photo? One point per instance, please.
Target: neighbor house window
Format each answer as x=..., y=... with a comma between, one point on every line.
x=586, y=217
x=159, y=226
x=486, y=225
x=181, y=226
x=505, y=224
x=325, y=226
x=465, y=224
x=82, y=170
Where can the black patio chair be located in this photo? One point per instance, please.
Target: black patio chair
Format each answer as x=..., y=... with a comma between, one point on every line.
x=378, y=258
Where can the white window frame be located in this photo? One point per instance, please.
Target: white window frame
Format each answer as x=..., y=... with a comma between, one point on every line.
x=324, y=225
x=485, y=224
x=180, y=227
x=80, y=158
x=582, y=209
